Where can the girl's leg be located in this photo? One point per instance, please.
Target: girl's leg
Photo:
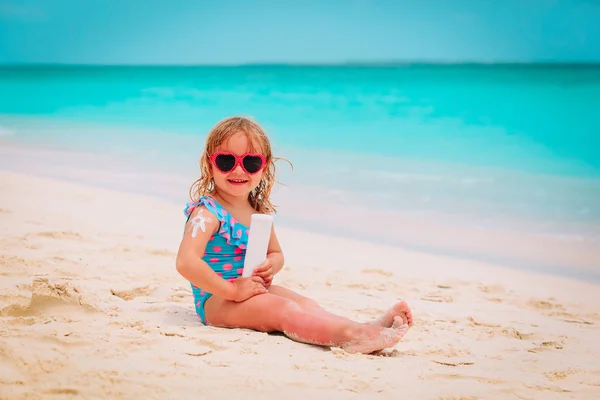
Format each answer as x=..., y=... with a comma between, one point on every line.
x=399, y=309
x=268, y=313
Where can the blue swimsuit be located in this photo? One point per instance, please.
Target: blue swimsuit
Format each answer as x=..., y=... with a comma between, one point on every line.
x=225, y=251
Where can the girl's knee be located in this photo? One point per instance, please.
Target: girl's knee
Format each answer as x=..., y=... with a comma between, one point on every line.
x=289, y=307
x=308, y=304
x=289, y=311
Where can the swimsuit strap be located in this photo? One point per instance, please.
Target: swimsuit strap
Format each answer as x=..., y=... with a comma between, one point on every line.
x=233, y=231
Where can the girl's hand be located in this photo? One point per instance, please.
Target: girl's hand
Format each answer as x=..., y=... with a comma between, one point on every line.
x=248, y=287
x=265, y=271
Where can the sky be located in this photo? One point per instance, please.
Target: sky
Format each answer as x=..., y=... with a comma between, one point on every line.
x=308, y=31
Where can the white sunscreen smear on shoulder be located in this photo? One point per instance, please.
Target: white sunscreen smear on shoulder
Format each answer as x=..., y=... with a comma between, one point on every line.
x=258, y=242
x=199, y=222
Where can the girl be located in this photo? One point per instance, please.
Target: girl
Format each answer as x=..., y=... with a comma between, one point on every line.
x=237, y=174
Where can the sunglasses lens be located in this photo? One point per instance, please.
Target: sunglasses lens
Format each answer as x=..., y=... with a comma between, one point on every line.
x=225, y=162
x=253, y=164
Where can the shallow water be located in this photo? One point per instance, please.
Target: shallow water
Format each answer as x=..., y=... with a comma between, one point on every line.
x=478, y=148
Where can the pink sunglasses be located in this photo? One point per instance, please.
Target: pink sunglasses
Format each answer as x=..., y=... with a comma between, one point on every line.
x=226, y=162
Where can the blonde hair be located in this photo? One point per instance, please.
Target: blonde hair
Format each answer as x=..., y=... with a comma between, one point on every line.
x=259, y=198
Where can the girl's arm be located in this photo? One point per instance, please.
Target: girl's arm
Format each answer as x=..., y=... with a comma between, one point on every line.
x=274, y=252
x=198, y=230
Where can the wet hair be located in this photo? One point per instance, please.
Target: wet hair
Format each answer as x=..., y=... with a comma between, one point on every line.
x=259, y=198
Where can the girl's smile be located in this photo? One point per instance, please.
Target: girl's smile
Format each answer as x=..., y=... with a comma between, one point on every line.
x=238, y=182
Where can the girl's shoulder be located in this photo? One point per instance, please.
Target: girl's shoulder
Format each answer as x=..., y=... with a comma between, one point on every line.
x=234, y=232
x=208, y=203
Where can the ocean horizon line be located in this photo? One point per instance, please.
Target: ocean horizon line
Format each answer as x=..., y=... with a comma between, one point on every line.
x=349, y=64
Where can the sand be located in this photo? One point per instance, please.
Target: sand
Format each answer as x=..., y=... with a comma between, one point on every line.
x=91, y=307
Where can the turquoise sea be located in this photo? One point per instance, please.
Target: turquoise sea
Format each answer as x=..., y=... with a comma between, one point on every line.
x=491, y=148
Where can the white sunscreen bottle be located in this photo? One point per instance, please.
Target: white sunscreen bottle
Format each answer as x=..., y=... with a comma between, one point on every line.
x=258, y=242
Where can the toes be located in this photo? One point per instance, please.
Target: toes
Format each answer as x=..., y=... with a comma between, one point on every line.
x=402, y=306
x=406, y=318
x=400, y=327
x=403, y=309
x=398, y=322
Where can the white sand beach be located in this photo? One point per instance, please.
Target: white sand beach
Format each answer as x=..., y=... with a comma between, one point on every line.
x=91, y=307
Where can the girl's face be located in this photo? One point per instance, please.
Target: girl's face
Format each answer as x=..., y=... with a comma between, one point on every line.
x=236, y=169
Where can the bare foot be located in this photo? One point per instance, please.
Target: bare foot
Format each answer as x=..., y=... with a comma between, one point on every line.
x=400, y=309
x=385, y=338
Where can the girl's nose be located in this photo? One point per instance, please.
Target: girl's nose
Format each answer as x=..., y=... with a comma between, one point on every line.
x=238, y=169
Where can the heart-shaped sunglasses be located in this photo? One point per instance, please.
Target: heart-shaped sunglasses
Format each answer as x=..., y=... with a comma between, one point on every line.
x=226, y=162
